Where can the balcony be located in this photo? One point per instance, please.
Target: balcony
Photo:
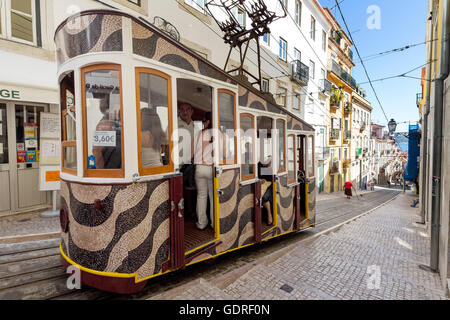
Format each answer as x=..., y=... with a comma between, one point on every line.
x=341, y=73
x=363, y=127
x=334, y=134
x=348, y=107
x=347, y=163
x=347, y=134
x=334, y=166
x=419, y=97
x=336, y=36
x=325, y=87
x=299, y=72
x=336, y=97
x=322, y=153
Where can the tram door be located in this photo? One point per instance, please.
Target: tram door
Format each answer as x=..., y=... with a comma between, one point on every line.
x=301, y=188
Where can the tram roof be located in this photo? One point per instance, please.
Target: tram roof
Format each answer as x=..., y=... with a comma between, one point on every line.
x=153, y=28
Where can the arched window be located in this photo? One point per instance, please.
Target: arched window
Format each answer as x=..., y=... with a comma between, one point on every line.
x=68, y=125
x=281, y=128
x=247, y=146
x=227, y=126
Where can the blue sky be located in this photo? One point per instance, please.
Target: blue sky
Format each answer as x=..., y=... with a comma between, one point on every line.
x=403, y=22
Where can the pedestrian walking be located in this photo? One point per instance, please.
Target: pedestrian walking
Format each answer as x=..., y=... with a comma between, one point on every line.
x=348, y=189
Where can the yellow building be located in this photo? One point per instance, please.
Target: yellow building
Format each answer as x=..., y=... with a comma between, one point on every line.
x=340, y=64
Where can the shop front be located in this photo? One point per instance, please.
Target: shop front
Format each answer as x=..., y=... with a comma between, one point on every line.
x=20, y=118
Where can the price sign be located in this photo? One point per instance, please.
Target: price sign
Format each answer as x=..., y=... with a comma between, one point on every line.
x=104, y=139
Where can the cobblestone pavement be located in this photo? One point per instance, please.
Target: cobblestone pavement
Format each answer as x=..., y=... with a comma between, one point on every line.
x=28, y=223
x=375, y=257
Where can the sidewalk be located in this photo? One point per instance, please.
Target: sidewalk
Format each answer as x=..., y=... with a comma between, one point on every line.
x=375, y=257
x=27, y=227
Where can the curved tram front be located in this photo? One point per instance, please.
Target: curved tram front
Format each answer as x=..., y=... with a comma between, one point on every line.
x=124, y=218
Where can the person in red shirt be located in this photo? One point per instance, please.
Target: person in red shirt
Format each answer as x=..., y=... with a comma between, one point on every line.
x=348, y=189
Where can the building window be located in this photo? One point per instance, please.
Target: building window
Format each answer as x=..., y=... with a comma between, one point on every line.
x=284, y=3
x=266, y=38
x=282, y=96
x=291, y=158
x=281, y=129
x=313, y=28
x=68, y=125
x=298, y=12
x=197, y=4
x=227, y=126
x=154, y=121
x=265, y=85
x=247, y=144
x=324, y=41
x=18, y=20
x=297, y=100
x=102, y=130
x=297, y=55
x=283, y=50
x=239, y=14
x=312, y=69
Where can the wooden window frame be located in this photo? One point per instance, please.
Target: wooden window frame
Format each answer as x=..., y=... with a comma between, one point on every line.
x=283, y=169
x=219, y=91
x=64, y=142
x=285, y=51
x=165, y=168
x=295, y=159
x=310, y=174
x=252, y=117
x=101, y=173
x=6, y=21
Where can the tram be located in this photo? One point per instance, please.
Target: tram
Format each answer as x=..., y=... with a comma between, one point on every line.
x=123, y=216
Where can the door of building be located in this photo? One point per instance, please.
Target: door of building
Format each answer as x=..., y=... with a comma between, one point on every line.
x=19, y=163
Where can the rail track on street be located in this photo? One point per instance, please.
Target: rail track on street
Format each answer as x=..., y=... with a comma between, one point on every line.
x=32, y=270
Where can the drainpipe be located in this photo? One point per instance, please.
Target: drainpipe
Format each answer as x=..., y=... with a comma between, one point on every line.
x=437, y=137
x=426, y=112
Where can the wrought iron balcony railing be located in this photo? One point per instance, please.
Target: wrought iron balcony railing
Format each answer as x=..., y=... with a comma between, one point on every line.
x=348, y=107
x=347, y=134
x=341, y=73
x=334, y=134
x=334, y=166
x=325, y=87
x=299, y=72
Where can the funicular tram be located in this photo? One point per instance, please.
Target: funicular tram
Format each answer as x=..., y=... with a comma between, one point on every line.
x=122, y=207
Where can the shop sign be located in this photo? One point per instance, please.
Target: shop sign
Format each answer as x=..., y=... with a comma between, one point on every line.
x=12, y=94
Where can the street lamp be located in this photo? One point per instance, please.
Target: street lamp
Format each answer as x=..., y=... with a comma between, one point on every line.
x=392, y=125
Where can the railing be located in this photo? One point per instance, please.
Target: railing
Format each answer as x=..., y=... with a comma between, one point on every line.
x=341, y=73
x=299, y=72
x=334, y=166
x=336, y=36
x=419, y=97
x=325, y=86
x=363, y=127
x=336, y=97
x=347, y=134
x=348, y=107
x=334, y=134
x=347, y=163
x=322, y=153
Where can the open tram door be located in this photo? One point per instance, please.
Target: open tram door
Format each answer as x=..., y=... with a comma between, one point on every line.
x=301, y=208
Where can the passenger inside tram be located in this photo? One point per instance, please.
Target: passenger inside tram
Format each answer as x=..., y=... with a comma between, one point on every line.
x=194, y=114
x=153, y=139
x=265, y=172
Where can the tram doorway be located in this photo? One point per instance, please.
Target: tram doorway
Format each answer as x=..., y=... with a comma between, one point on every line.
x=301, y=193
x=195, y=114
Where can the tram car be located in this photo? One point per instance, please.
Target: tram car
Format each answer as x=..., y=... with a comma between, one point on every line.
x=124, y=199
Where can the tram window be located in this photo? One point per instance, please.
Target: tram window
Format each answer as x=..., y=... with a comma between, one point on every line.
x=247, y=142
x=281, y=146
x=291, y=158
x=69, y=136
x=154, y=121
x=264, y=135
x=310, y=157
x=103, y=127
x=227, y=126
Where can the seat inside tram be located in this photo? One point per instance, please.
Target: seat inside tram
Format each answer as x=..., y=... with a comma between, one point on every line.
x=194, y=105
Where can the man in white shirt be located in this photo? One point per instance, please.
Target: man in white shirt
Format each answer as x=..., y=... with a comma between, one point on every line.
x=185, y=122
x=187, y=166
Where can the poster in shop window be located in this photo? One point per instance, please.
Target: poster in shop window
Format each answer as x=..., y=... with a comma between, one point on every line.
x=50, y=151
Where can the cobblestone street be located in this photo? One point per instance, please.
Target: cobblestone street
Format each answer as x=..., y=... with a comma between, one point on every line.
x=375, y=257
